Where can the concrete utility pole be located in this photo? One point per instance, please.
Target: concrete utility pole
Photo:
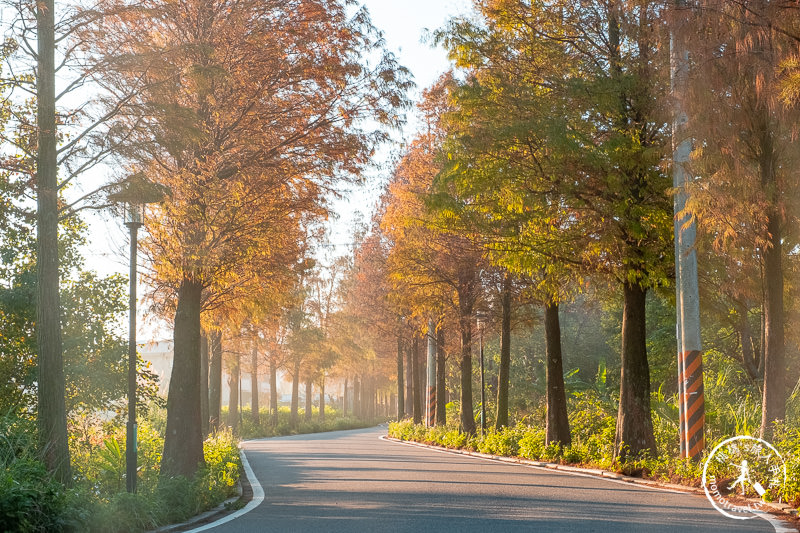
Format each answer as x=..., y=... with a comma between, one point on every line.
x=400, y=384
x=687, y=299
x=430, y=410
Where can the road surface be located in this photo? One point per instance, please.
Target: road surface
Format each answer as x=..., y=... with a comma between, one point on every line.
x=353, y=481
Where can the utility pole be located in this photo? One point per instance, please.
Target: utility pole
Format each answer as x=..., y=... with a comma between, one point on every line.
x=481, y=322
x=430, y=411
x=687, y=299
x=400, y=375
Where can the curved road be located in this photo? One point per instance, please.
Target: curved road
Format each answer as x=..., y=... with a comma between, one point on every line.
x=352, y=481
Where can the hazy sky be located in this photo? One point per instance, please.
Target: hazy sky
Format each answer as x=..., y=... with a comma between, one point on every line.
x=404, y=24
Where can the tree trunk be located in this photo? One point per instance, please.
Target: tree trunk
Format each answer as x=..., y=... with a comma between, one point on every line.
x=409, y=398
x=344, y=399
x=467, y=409
x=233, y=397
x=295, y=395
x=749, y=358
x=762, y=332
x=322, y=399
x=357, y=398
x=215, y=381
x=373, y=394
x=441, y=383
x=557, y=428
x=51, y=389
x=254, y=387
x=634, y=423
x=183, y=442
x=416, y=374
x=773, y=407
x=204, y=402
x=505, y=354
x=308, y=400
x=366, y=399
x=273, y=391
x=400, y=384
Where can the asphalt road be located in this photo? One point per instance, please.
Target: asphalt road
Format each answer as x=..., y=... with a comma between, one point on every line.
x=352, y=481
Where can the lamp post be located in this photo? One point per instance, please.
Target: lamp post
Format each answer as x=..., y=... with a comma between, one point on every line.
x=133, y=193
x=481, y=321
x=133, y=220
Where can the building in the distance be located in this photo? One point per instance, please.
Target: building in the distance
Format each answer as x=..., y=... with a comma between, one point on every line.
x=159, y=354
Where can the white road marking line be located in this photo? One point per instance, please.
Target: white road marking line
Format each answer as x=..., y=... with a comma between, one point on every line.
x=258, y=497
x=779, y=525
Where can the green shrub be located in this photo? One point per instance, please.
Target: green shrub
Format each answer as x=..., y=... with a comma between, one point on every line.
x=574, y=454
x=127, y=513
x=531, y=443
x=334, y=421
x=787, y=441
x=453, y=438
x=29, y=499
x=503, y=442
x=220, y=474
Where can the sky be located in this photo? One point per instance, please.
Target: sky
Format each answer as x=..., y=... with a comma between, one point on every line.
x=403, y=23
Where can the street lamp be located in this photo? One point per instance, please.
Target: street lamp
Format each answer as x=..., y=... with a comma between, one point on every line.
x=481, y=317
x=133, y=193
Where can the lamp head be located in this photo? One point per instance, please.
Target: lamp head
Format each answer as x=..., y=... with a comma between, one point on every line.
x=133, y=193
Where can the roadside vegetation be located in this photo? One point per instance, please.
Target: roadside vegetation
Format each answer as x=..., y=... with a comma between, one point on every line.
x=334, y=420
x=96, y=501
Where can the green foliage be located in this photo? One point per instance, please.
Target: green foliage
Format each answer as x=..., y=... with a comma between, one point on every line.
x=158, y=501
x=787, y=440
x=95, y=347
x=407, y=430
x=30, y=500
x=217, y=480
x=94, y=308
x=334, y=421
x=126, y=513
x=111, y=464
x=733, y=402
x=502, y=442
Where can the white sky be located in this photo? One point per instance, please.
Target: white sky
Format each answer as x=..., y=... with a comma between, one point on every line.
x=404, y=23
